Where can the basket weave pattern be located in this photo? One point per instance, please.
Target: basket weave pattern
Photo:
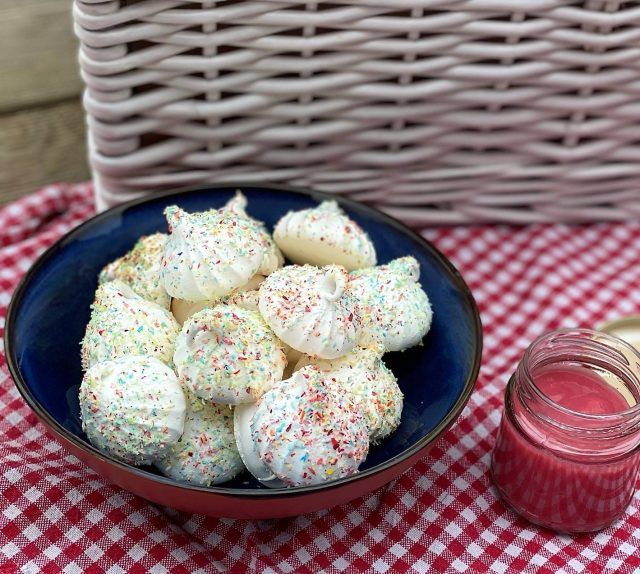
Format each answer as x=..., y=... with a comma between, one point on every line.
x=437, y=110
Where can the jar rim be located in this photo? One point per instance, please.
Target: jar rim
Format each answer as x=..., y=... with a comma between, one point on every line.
x=593, y=336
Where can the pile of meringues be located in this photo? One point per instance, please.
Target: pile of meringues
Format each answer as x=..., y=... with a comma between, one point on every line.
x=205, y=354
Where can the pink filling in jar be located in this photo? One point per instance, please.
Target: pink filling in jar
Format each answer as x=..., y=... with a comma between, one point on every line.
x=567, y=451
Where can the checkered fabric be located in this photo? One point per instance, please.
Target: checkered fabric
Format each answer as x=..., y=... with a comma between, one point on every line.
x=57, y=515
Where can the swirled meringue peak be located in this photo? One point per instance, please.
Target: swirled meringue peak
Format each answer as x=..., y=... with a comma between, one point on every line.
x=324, y=235
x=206, y=453
x=302, y=432
x=363, y=375
x=140, y=269
x=273, y=258
x=122, y=323
x=395, y=310
x=245, y=296
x=227, y=354
x=310, y=309
x=132, y=408
x=209, y=254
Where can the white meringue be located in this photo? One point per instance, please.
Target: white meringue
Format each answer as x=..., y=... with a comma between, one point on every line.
x=140, y=269
x=273, y=259
x=206, y=453
x=309, y=309
x=302, y=432
x=209, y=254
x=123, y=323
x=324, y=235
x=132, y=408
x=394, y=309
x=245, y=296
x=363, y=375
x=227, y=354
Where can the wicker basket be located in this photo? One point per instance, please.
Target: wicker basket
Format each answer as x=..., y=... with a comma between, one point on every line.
x=438, y=111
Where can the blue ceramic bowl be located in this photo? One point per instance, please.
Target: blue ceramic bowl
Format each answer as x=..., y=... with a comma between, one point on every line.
x=50, y=309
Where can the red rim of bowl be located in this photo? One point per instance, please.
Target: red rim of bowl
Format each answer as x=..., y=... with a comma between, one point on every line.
x=376, y=214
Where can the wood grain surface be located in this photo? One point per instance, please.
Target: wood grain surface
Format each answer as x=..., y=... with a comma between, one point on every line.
x=41, y=119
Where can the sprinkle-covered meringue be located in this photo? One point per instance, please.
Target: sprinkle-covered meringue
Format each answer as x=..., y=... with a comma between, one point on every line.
x=227, y=354
x=310, y=309
x=123, y=323
x=273, y=259
x=245, y=296
x=140, y=269
x=206, y=453
x=363, y=375
x=324, y=235
x=132, y=408
x=394, y=309
x=302, y=432
x=209, y=254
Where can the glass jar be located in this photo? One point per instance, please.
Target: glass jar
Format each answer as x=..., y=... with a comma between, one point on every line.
x=567, y=451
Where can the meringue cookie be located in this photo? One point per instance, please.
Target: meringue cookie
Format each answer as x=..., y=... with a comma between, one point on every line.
x=206, y=453
x=363, y=375
x=309, y=309
x=140, y=269
x=245, y=296
x=273, y=258
x=227, y=354
x=209, y=254
x=324, y=235
x=132, y=408
x=302, y=432
x=123, y=323
x=394, y=309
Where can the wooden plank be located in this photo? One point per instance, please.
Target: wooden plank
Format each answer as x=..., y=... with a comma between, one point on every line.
x=40, y=146
x=38, y=53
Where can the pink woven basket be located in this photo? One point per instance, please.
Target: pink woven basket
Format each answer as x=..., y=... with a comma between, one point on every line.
x=439, y=111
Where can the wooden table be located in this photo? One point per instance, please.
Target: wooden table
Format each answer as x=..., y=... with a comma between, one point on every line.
x=42, y=136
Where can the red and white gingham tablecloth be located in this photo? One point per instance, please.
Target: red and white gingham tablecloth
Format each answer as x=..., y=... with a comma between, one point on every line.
x=57, y=515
